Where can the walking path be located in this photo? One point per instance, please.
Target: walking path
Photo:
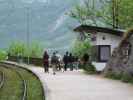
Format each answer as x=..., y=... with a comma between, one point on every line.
x=78, y=86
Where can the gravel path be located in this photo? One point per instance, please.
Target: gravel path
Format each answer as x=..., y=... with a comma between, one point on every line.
x=78, y=86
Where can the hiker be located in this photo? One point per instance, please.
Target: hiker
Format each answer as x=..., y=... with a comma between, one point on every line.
x=46, y=62
x=58, y=60
x=71, y=61
x=54, y=62
x=76, y=62
x=85, y=58
x=66, y=60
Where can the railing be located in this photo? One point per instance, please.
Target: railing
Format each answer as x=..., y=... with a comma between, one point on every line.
x=32, y=60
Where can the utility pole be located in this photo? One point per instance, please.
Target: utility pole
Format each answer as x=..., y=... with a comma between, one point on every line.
x=115, y=13
x=28, y=32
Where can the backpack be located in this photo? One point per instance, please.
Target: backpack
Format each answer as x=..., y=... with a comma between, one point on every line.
x=54, y=59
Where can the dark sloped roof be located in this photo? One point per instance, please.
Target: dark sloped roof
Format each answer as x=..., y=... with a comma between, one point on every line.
x=89, y=29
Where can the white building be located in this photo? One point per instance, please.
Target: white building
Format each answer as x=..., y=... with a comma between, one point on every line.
x=103, y=40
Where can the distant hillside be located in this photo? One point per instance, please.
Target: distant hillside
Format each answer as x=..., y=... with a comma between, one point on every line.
x=48, y=22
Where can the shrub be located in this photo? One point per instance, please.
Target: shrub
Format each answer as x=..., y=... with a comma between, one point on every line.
x=19, y=48
x=89, y=68
x=3, y=55
x=113, y=75
x=81, y=47
x=16, y=48
x=126, y=77
x=35, y=50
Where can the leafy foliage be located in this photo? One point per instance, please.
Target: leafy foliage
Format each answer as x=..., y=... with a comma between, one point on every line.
x=85, y=13
x=3, y=55
x=81, y=47
x=111, y=13
x=124, y=77
x=89, y=69
x=118, y=13
x=35, y=50
x=19, y=48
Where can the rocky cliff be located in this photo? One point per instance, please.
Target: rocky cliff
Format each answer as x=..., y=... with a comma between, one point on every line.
x=121, y=61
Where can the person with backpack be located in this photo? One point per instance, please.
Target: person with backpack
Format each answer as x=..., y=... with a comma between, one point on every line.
x=66, y=61
x=54, y=62
x=71, y=60
x=46, y=62
x=59, y=61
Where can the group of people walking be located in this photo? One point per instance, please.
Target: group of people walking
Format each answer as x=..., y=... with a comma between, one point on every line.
x=57, y=62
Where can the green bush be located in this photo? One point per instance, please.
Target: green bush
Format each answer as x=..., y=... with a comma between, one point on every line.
x=81, y=47
x=127, y=78
x=21, y=49
x=36, y=50
x=16, y=48
x=89, y=68
x=124, y=77
x=3, y=55
x=113, y=75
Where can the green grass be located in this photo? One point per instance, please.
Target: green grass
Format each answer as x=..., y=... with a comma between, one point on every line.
x=34, y=87
x=124, y=77
x=12, y=89
x=12, y=86
x=89, y=69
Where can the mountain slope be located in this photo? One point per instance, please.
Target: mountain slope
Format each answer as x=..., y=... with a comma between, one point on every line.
x=48, y=22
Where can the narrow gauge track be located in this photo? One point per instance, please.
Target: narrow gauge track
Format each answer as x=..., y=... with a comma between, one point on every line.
x=2, y=79
x=24, y=83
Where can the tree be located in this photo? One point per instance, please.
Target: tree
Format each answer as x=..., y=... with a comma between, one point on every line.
x=3, y=55
x=85, y=13
x=16, y=48
x=19, y=48
x=110, y=13
x=117, y=13
x=81, y=47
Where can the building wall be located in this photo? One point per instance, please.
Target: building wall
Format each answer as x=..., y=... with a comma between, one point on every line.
x=109, y=39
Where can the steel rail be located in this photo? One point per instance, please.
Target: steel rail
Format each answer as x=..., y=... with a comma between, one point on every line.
x=2, y=79
x=24, y=83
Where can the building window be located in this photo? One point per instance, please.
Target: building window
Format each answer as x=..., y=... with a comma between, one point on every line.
x=93, y=36
x=104, y=38
x=104, y=53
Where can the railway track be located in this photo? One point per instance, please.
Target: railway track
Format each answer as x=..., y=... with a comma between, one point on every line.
x=23, y=81
x=26, y=82
x=2, y=79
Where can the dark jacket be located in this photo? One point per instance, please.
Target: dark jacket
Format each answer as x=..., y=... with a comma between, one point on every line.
x=54, y=59
x=66, y=59
x=45, y=58
x=71, y=59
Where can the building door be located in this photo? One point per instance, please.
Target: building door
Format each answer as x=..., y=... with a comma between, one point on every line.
x=104, y=53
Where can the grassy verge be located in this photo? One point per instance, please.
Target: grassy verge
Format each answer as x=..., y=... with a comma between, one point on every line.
x=124, y=77
x=89, y=69
x=12, y=89
x=12, y=86
x=34, y=87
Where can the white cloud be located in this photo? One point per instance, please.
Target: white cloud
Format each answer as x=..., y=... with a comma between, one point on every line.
x=59, y=21
x=32, y=1
x=28, y=1
x=43, y=1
